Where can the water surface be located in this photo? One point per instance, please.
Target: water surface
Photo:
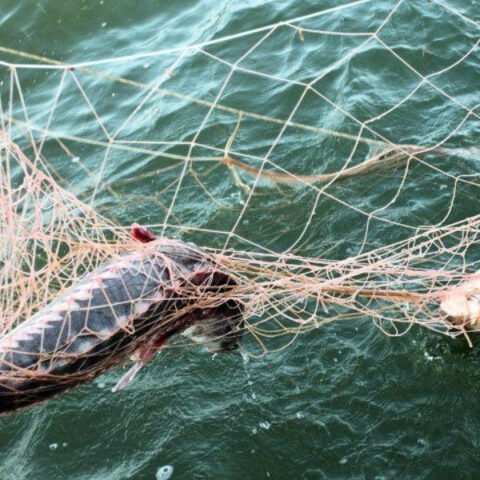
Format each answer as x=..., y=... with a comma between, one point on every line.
x=341, y=402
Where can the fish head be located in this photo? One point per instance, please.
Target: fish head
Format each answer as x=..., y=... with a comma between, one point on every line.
x=219, y=329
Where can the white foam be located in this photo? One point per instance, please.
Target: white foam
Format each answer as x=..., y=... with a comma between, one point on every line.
x=164, y=473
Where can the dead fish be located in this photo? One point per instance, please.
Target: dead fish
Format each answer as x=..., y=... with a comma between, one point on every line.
x=129, y=307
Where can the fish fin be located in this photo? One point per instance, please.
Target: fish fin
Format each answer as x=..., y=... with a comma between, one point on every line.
x=128, y=377
x=140, y=357
x=142, y=234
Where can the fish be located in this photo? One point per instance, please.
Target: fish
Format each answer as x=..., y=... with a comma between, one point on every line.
x=126, y=308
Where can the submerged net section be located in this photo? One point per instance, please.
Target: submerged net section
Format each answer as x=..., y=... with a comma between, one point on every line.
x=328, y=162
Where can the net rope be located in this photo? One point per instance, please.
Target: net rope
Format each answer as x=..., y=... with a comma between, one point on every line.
x=67, y=198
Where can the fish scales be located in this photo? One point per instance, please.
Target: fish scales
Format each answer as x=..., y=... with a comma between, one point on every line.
x=111, y=304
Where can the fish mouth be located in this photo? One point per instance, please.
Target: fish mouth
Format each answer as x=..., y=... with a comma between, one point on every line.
x=219, y=329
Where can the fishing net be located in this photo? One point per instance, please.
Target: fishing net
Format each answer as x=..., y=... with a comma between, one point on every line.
x=316, y=198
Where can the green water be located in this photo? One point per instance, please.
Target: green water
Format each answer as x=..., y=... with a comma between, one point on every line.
x=342, y=402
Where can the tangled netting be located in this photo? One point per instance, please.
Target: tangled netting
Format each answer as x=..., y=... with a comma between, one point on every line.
x=365, y=241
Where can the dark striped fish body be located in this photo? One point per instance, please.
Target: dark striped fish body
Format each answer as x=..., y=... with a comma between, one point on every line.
x=102, y=319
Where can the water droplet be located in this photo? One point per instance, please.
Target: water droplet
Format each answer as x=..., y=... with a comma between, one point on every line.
x=104, y=24
x=75, y=159
x=300, y=415
x=343, y=461
x=53, y=446
x=164, y=473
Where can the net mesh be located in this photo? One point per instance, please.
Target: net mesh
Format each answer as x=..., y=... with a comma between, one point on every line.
x=330, y=161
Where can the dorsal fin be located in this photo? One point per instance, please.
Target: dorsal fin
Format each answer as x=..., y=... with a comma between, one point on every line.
x=142, y=234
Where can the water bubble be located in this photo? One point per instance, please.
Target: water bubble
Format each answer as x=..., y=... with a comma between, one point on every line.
x=53, y=446
x=75, y=159
x=265, y=425
x=429, y=357
x=164, y=473
x=343, y=461
x=104, y=24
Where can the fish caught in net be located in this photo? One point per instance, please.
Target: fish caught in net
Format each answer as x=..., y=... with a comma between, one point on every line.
x=260, y=219
x=131, y=305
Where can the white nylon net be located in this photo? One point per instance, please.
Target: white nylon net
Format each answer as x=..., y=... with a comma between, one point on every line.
x=296, y=163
